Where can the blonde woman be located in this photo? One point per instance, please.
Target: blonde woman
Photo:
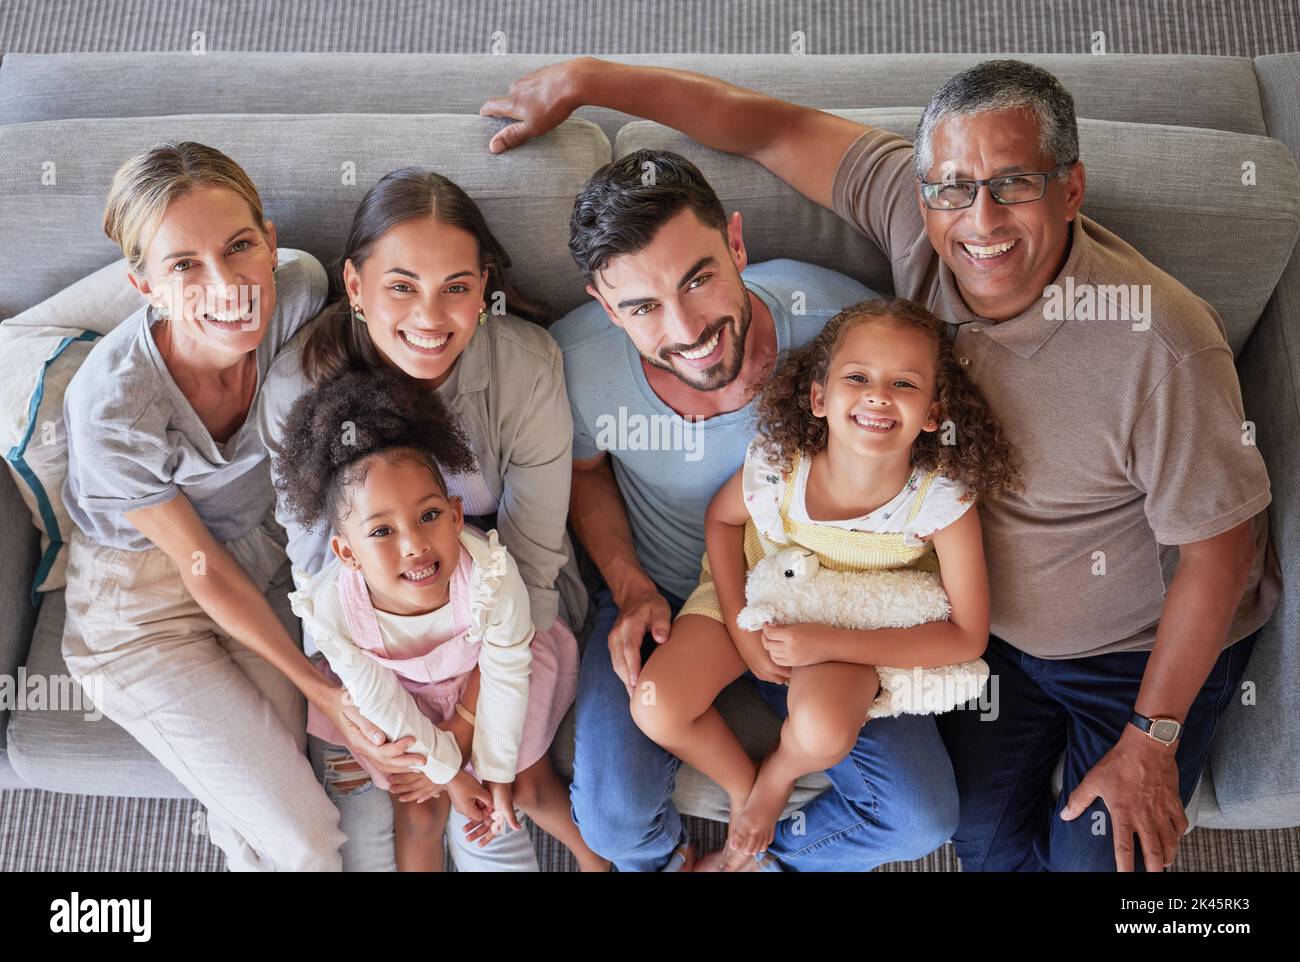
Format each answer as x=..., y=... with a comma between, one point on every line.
x=169, y=485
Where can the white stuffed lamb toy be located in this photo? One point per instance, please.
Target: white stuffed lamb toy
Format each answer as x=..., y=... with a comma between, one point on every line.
x=791, y=587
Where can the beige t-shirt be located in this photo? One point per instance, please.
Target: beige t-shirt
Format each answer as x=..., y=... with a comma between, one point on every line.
x=1130, y=437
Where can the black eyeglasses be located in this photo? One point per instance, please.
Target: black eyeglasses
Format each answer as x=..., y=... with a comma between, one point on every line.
x=1009, y=189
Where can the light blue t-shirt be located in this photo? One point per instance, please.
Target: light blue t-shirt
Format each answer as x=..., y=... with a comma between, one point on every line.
x=668, y=468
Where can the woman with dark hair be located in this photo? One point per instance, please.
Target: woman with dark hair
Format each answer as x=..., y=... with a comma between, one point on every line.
x=426, y=292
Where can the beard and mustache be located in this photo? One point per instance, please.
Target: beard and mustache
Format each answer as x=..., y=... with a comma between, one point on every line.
x=727, y=368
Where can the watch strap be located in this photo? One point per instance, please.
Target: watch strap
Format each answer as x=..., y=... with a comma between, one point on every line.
x=1141, y=721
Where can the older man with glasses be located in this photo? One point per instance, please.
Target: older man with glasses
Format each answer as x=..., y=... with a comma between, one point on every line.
x=1131, y=576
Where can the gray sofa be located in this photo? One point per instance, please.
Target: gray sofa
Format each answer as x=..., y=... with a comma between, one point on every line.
x=297, y=121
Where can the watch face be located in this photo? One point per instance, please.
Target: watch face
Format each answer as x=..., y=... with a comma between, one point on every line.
x=1164, y=730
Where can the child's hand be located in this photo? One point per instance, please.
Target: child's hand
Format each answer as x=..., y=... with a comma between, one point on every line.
x=503, y=805
x=750, y=644
x=413, y=787
x=470, y=798
x=793, y=646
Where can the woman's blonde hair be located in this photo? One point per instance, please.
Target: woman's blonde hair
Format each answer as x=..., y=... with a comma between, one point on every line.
x=144, y=186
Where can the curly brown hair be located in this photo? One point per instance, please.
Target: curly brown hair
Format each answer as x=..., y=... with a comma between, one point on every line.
x=334, y=430
x=979, y=456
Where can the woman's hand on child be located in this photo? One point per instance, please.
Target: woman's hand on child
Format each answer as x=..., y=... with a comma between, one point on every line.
x=413, y=787
x=793, y=646
x=365, y=739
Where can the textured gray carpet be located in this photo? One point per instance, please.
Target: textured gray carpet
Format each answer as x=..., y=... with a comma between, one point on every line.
x=1245, y=28
x=41, y=831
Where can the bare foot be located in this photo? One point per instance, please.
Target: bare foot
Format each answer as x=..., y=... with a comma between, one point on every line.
x=736, y=805
x=725, y=860
x=713, y=862
x=754, y=825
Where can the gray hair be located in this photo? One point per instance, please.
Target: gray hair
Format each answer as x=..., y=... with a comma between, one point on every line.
x=1003, y=85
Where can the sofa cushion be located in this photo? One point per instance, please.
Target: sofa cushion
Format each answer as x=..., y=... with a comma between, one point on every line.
x=311, y=171
x=73, y=747
x=1255, y=755
x=1226, y=241
x=42, y=348
x=1217, y=92
x=39, y=364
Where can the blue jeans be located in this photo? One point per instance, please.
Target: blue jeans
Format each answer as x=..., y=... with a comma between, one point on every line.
x=893, y=798
x=1079, y=706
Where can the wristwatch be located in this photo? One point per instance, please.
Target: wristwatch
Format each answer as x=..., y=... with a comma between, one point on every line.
x=1163, y=730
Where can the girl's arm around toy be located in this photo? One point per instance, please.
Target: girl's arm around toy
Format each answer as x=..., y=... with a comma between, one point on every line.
x=724, y=537
x=963, y=637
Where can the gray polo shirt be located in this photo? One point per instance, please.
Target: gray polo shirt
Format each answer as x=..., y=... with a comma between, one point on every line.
x=135, y=442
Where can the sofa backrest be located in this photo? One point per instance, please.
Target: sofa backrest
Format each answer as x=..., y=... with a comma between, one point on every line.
x=1176, y=193
x=328, y=101
x=1186, y=90
x=311, y=172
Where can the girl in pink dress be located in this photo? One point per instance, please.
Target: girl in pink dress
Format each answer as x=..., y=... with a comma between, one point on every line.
x=424, y=619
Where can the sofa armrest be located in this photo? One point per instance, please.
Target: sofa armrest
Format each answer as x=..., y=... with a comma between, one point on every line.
x=18, y=561
x=1255, y=756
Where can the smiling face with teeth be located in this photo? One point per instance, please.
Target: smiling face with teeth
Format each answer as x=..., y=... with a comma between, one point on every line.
x=1001, y=256
x=880, y=389
x=421, y=287
x=402, y=531
x=208, y=267
x=682, y=301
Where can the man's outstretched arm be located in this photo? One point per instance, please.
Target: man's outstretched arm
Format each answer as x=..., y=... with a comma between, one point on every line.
x=801, y=145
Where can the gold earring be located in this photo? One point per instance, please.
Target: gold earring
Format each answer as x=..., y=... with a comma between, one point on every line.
x=482, y=316
x=360, y=314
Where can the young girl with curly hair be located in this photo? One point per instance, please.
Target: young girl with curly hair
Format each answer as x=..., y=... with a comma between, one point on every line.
x=423, y=619
x=872, y=448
